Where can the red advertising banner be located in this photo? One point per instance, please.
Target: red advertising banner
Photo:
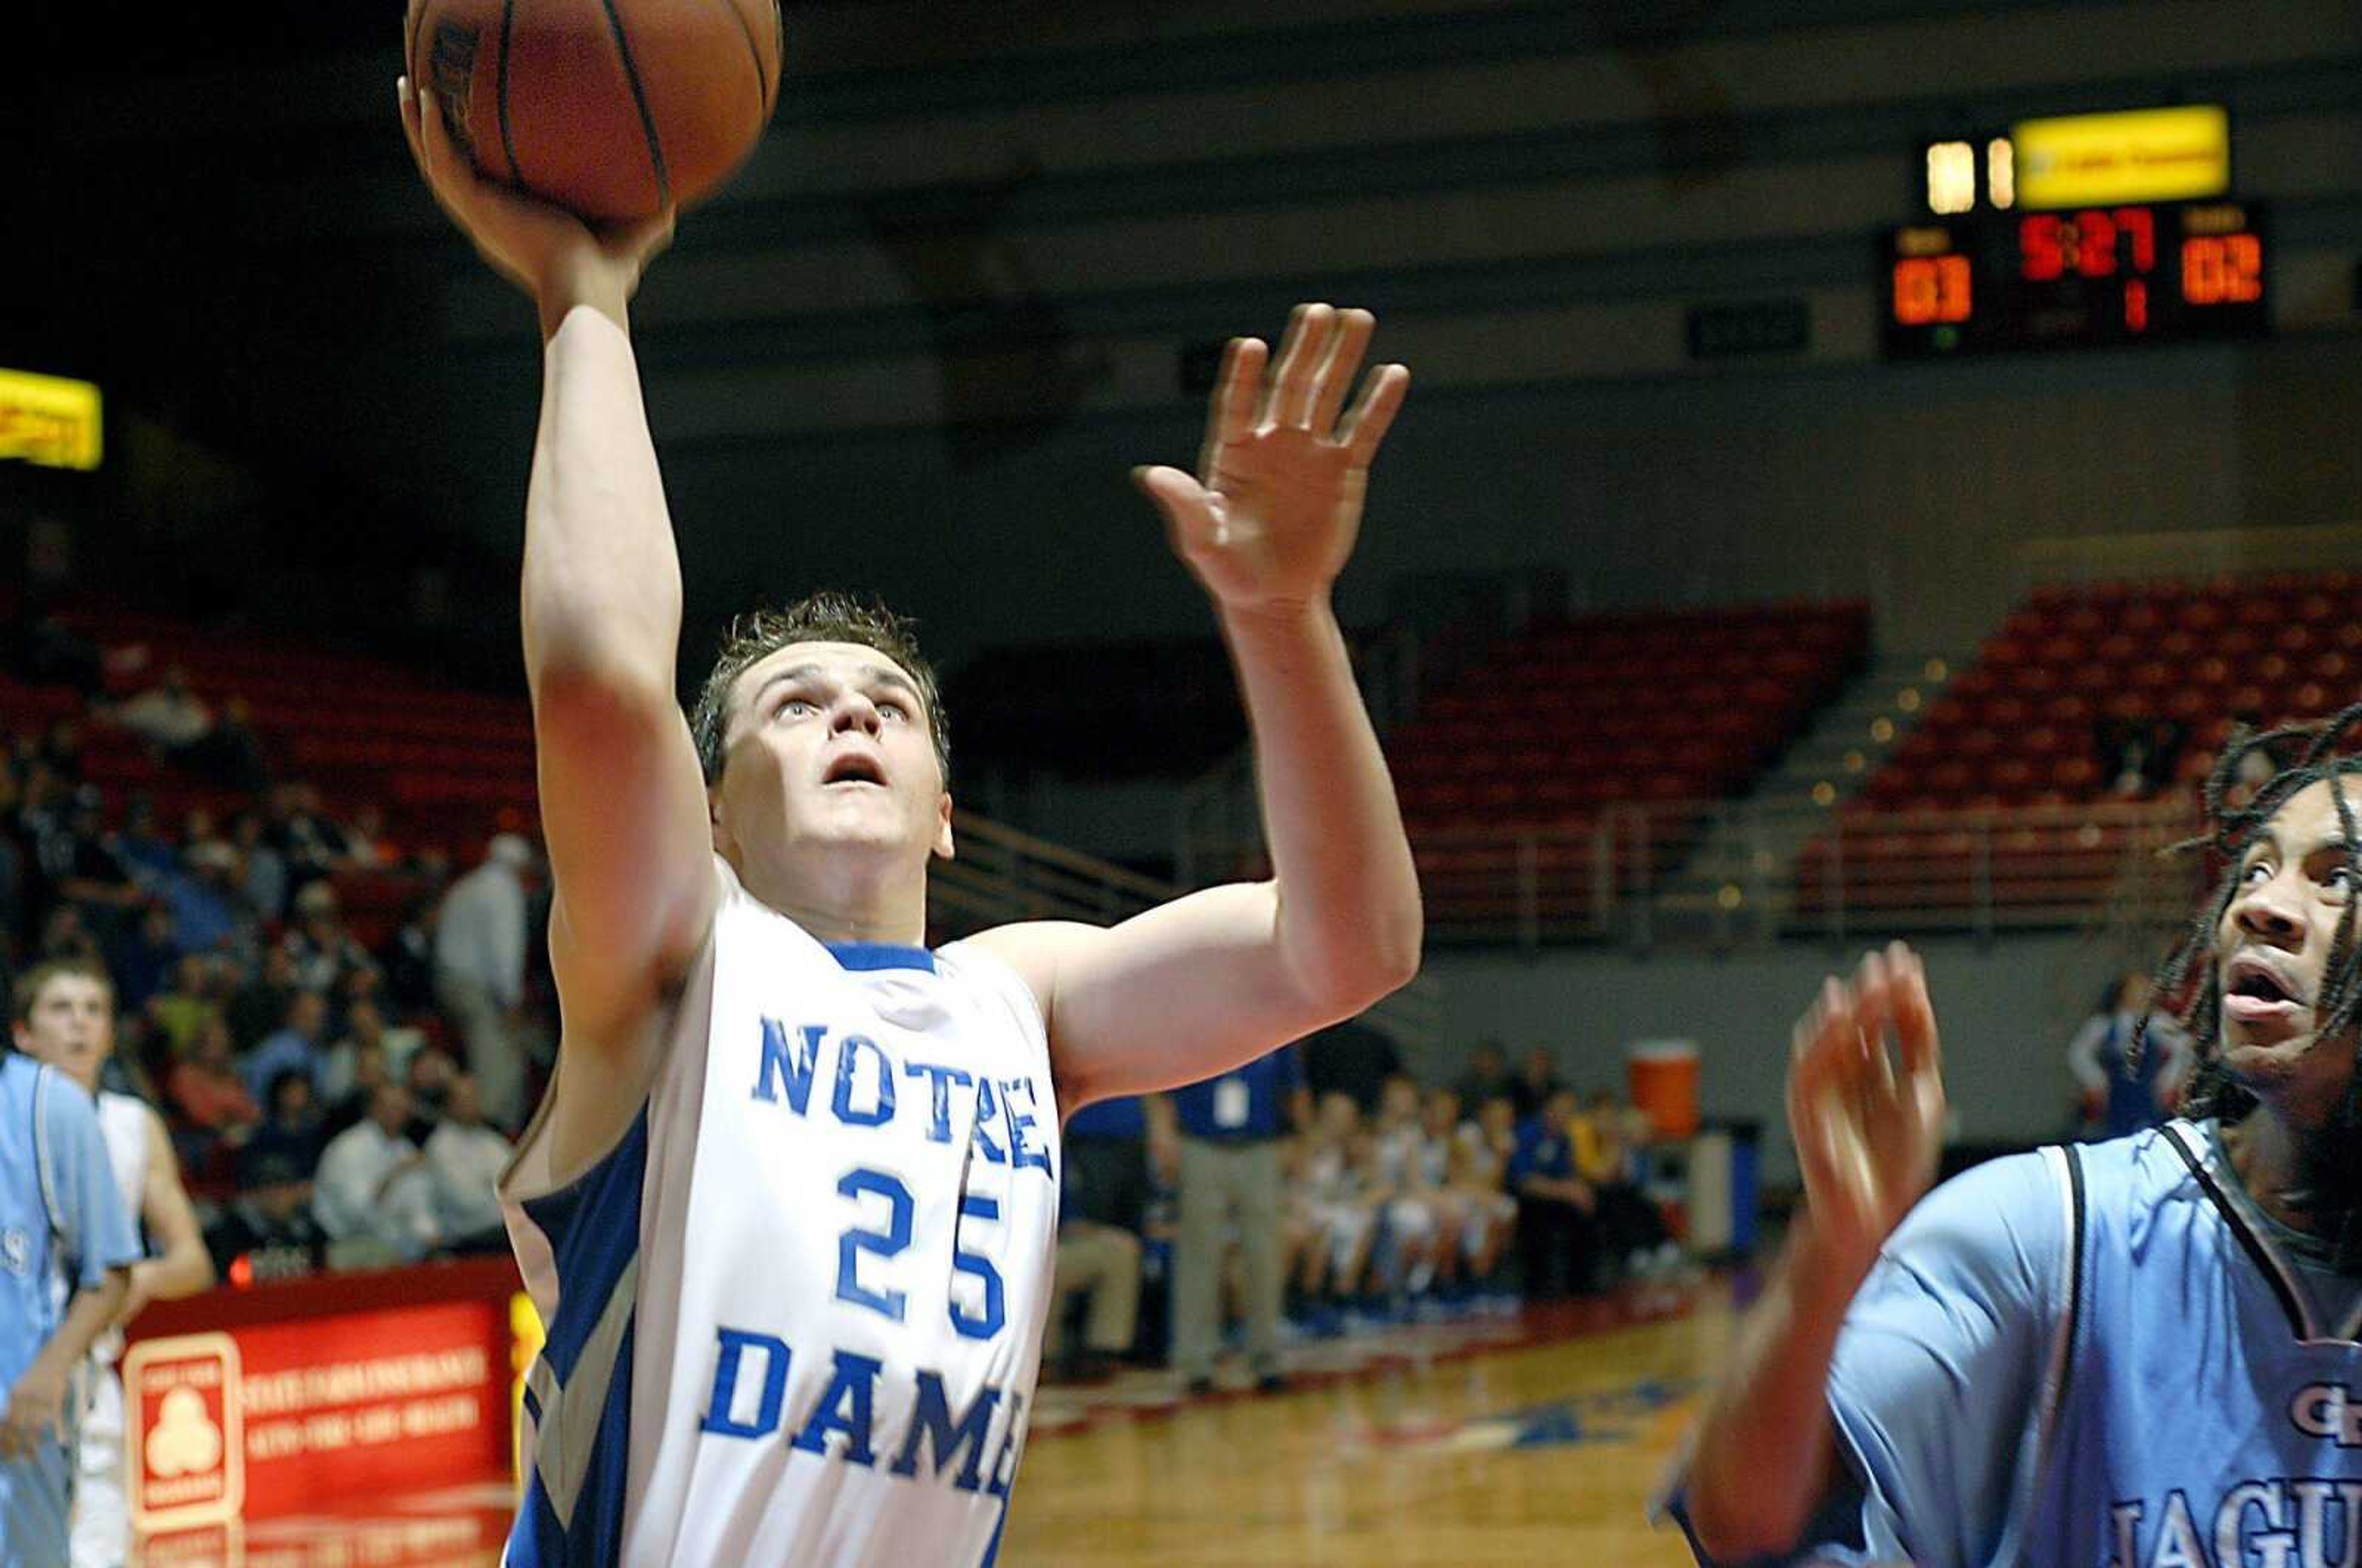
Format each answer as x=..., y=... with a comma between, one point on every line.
x=318, y=1393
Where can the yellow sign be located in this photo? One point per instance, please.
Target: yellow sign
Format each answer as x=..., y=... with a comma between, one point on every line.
x=48, y=420
x=2140, y=155
x=526, y=1339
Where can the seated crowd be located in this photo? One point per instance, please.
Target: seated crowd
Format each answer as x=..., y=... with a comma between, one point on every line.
x=342, y=1102
x=333, y=1101
x=1403, y=1202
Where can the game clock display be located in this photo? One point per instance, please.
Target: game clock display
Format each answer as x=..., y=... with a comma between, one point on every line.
x=2086, y=278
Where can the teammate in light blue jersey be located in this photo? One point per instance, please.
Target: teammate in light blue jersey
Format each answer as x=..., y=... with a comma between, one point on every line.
x=66, y=1250
x=790, y=1209
x=2134, y=1354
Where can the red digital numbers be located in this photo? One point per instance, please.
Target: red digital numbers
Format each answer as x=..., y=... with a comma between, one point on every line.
x=2135, y=305
x=2095, y=244
x=2092, y=242
x=2042, y=256
x=2221, y=269
x=2139, y=225
x=1932, y=290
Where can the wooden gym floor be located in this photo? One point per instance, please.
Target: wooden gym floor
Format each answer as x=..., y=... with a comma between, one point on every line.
x=1448, y=1447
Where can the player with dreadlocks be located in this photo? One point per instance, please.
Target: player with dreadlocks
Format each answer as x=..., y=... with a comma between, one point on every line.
x=2328, y=1174
x=2137, y=1355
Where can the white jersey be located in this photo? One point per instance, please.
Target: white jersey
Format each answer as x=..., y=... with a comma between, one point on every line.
x=101, y=1519
x=796, y=1315
x=123, y=1123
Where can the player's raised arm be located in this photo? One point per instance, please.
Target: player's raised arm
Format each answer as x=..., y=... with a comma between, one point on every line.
x=1867, y=1137
x=1265, y=524
x=622, y=801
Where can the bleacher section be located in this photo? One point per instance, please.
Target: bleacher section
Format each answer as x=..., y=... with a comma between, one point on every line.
x=1518, y=768
x=2007, y=796
x=449, y=766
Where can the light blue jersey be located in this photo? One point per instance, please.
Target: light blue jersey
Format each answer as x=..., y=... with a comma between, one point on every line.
x=2092, y=1358
x=63, y=1226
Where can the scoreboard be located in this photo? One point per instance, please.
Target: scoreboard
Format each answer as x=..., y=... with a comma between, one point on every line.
x=2098, y=276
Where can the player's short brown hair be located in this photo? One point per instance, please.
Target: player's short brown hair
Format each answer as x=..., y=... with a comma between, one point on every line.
x=823, y=617
x=35, y=980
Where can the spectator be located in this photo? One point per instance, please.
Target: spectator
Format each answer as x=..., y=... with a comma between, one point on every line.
x=2137, y=752
x=479, y=945
x=271, y=1216
x=371, y=1194
x=286, y=1147
x=63, y=935
x=369, y=1070
x=206, y=1092
x=297, y=1047
x=199, y=833
x=1536, y=1084
x=340, y=1066
x=190, y=1002
x=464, y=1161
x=1436, y=1161
x=1333, y=1213
x=169, y=715
x=430, y=1074
x=1610, y=1138
x=362, y=846
x=1230, y=1133
x=43, y=804
x=260, y=1005
x=1487, y=1075
x=1412, y=1212
x=262, y=873
x=407, y=959
x=324, y=954
x=85, y=870
x=305, y=839
x=2117, y=1098
x=207, y=905
x=155, y=862
x=1099, y=1260
x=1555, y=1206
x=143, y=961
x=1110, y=1137
x=1482, y=1152
x=1352, y=1058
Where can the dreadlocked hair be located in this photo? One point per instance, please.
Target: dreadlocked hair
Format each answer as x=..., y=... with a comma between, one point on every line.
x=2301, y=755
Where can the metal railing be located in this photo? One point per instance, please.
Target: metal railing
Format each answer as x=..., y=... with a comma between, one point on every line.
x=1003, y=875
x=1641, y=874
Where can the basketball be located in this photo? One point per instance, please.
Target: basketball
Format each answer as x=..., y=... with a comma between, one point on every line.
x=613, y=110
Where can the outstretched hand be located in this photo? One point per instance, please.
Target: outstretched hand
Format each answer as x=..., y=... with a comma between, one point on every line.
x=546, y=251
x=1867, y=1135
x=1270, y=517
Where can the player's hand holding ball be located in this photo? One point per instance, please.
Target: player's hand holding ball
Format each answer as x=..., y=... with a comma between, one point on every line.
x=1270, y=517
x=546, y=251
x=563, y=138
x=1867, y=1135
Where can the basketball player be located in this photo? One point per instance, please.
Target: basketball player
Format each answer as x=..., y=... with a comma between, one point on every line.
x=2134, y=1354
x=789, y=1208
x=66, y=1250
x=71, y=1026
